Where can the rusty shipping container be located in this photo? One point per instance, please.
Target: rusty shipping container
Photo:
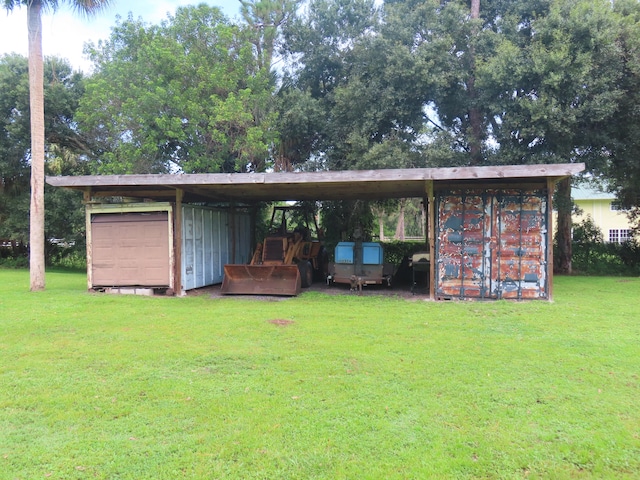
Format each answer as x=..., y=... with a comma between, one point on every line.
x=492, y=244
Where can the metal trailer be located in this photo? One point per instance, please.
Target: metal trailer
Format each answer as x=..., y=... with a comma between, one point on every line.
x=359, y=264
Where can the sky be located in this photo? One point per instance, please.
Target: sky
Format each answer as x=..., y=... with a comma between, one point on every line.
x=65, y=32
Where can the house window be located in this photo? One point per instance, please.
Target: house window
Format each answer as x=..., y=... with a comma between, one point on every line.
x=617, y=207
x=619, y=235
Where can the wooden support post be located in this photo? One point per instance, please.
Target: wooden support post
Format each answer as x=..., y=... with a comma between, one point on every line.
x=425, y=219
x=551, y=185
x=177, y=245
x=431, y=221
x=252, y=227
x=86, y=199
x=234, y=226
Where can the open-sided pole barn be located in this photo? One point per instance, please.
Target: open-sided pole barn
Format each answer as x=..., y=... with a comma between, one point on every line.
x=490, y=228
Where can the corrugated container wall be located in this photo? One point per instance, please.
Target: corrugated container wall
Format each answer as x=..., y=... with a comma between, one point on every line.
x=209, y=242
x=492, y=244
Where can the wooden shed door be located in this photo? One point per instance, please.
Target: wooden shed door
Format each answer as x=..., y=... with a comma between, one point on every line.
x=130, y=249
x=491, y=244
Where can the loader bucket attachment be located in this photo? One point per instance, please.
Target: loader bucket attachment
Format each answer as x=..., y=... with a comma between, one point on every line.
x=261, y=280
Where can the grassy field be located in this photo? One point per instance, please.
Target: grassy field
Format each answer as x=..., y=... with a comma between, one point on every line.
x=122, y=387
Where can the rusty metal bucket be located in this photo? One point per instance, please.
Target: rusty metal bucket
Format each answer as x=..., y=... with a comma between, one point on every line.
x=261, y=280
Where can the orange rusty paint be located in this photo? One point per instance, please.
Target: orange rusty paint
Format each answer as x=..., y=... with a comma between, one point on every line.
x=491, y=244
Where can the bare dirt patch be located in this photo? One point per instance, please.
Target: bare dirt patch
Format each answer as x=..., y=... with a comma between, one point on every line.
x=281, y=322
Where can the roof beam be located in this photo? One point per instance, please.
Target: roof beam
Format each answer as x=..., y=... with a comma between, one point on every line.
x=334, y=185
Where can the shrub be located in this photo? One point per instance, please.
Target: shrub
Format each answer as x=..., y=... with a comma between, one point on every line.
x=396, y=251
x=592, y=256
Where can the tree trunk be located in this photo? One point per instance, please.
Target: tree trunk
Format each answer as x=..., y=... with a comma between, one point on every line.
x=475, y=134
x=36, y=99
x=475, y=8
x=475, y=123
x=423, y=219
x=562, y=262
x=400, y=226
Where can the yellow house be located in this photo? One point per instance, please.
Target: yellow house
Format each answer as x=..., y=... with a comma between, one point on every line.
x=604, y=211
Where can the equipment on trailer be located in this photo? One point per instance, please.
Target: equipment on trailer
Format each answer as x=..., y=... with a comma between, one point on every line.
x=359, y=264
x=420, y=264
x=285, y=262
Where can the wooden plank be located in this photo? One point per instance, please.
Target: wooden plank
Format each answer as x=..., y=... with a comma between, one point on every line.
x=233, y=225
x=432, y=238
x=89, y=240
x=86, y=199
x=177, y=244
x=134, y=191
x=321, y=178
x=551, y=185
x=492, y=184
x=129, y=207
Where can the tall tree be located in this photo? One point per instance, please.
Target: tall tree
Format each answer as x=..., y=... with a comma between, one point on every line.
x=368, y=87
x=622, y=171
x=557, y=87
x=184, y=95
x=36, y=95
x=266, y=18
x=477, y=133
x=522, y=81
x=14, y=127
x=64, y=147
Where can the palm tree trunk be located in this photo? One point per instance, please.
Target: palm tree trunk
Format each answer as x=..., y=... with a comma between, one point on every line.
x=36, y=99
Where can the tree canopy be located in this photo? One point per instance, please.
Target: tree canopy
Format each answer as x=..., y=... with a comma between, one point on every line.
x=186, y=95
x=435, y=83
x=65, y=147
x=37, y=127
x=358, y=84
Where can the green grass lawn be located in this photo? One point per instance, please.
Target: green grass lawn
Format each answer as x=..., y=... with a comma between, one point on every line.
x=318, y=386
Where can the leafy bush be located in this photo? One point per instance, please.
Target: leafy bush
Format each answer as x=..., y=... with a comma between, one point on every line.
x=21, y=261
x=593, y=256
x=396, y=251
x=57, y=254
x=69, y=256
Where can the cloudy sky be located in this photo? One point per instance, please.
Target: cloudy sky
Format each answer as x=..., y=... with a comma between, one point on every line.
x=64, y=32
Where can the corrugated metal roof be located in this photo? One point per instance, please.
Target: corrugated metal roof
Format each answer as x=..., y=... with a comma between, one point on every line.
x=588, y=192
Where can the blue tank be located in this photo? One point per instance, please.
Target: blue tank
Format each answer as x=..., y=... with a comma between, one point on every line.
x=344, y=252
x=372, y=253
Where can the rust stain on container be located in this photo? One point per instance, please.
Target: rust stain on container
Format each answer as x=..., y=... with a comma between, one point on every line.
x=491, y=244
